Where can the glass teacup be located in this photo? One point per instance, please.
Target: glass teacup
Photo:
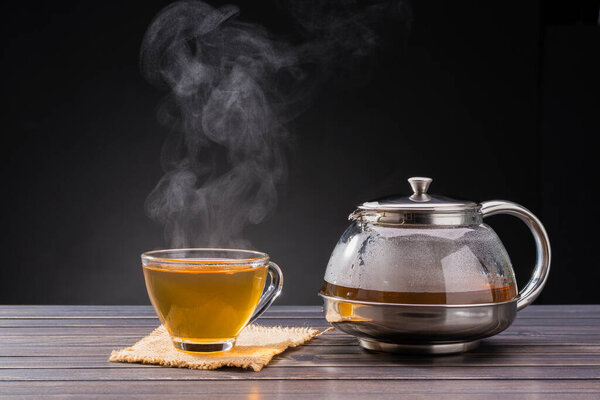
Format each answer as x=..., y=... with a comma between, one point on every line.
x=205, y=297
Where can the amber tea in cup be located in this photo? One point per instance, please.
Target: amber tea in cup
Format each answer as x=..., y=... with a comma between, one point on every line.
x=205, y=297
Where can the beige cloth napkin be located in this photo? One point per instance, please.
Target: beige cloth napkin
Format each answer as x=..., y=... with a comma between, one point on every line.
x=254, y=348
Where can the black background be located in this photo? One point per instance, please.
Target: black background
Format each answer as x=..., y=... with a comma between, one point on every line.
x=494, y=100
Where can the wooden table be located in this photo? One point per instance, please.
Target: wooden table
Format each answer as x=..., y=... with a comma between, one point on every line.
x=550, y=352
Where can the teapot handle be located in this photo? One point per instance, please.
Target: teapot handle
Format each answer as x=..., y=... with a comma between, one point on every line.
x=542, y=244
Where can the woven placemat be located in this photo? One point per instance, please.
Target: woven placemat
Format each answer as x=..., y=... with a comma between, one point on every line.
x=254, y=348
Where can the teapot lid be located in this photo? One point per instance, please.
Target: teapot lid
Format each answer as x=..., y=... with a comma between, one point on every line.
x=420, y=200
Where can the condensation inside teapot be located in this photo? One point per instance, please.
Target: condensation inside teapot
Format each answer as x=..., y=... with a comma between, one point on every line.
x=420, y=265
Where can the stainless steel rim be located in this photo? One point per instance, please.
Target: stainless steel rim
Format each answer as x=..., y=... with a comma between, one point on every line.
x=417, y=218
x=373, y=303
x=433, y=349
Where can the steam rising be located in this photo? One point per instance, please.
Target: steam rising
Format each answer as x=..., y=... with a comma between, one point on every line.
x=232, y=87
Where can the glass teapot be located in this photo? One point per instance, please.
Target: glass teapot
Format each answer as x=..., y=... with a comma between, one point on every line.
x=426, y=250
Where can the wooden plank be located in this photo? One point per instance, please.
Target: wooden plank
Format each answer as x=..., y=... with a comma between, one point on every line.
x=331, y=338
x=54, y=351
x=150, y=321
x=564, y=336
x=562, y=311
x=309, y=356
x=146, y=323
x=312, y=395
x=102, y=330
x=299, y=373
x=75, y=347
x=319, y=345
x=550, y=327
x=313, y=389
x=56, y=324
x=104, y=350
x=28, y=312
x=20, y=312
x=499, y=343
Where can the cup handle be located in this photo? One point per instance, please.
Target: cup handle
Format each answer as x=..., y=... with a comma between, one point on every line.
x=272, y=292
x=542, y=244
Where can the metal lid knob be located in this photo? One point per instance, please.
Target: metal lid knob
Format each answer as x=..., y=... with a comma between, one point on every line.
x=419, y=186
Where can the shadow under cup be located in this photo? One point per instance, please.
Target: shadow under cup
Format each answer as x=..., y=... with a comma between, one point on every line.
x=205, y=297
